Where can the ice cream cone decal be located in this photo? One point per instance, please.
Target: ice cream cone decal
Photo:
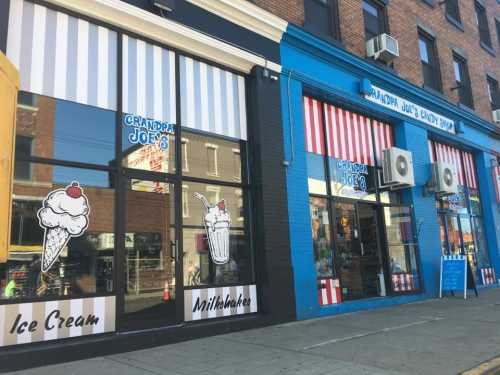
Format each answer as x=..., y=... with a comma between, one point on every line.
x=64, y=214
x=217, y=222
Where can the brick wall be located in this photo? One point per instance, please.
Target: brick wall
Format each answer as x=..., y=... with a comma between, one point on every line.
x=404, y=16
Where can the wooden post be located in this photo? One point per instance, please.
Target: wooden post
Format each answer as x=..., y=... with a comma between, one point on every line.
x=9, y=86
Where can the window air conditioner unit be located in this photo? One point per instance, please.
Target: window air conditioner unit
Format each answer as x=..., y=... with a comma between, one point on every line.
x=496, y=116
x=445, y=178
x=397, y=167
x=383, y=47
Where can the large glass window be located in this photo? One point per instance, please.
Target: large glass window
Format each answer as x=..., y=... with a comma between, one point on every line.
x=321, y=17
x=347, y=148
x=62, y=236
x=321, y=235
x=59, y=129
x=216, y=245
x=461, y=224
x=453, y=11
x=401, y=242
x=374, y=18
x=482, y=24
x=462, y=81
x=429, y=60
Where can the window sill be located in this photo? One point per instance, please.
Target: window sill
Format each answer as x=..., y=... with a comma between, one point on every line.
x=435, y=92
x=431, y=3
x=466, y=107
x=487, y=48
x=455, y=22
x=326, y=38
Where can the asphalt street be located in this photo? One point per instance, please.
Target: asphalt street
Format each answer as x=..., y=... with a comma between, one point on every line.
x=445, y=336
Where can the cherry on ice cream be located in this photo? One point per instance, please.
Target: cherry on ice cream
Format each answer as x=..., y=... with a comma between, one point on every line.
x=74, y=191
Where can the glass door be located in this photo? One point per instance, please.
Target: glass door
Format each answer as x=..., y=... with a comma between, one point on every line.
x=152, y=294
x=372, y=271
x=358, y=250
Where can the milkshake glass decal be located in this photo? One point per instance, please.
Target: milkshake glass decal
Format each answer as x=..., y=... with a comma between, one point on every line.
x=217, y=222
x=64, y=214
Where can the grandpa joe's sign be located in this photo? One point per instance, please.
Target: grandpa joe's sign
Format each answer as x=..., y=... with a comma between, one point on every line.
x=405, y=107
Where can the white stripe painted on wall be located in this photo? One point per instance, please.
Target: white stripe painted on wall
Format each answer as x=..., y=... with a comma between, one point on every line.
x=26, y=310
x=253, y=298
x=216, y=91
x=204, y=94
x=61, y=62
x=158, y=92
x=99, y=311
x=82, y=62
x=38, y=49
x=46, y=52
x=195, y=296
x=15, y=29
x=50, y=334
x=102, y=69
x=76, y=308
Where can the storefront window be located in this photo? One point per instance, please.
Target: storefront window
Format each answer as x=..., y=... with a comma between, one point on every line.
x=352, y=180
x=59, y=129
x=322, y=244
x=211, y=158
x=215, y=243
x=62, y=239
x=348, y=148
x=402, y=249
x=461, y=212
x=316, y=173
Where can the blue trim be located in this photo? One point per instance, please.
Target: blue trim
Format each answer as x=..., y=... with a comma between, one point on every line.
x=307, y=43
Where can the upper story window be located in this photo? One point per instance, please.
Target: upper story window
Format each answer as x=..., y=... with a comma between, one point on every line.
x=429, y=60
x=497, y=24
x=482, y=24
x=493, y=93
x=453, y=11
x=24, y=148
x=375, y=18
x=462, y=80
x=322, y=18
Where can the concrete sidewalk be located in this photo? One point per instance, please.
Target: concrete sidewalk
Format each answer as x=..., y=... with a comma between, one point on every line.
x=433, y=337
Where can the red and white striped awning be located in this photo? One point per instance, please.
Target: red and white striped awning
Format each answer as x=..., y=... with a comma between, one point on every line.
x=349, y=135
x=452, y=155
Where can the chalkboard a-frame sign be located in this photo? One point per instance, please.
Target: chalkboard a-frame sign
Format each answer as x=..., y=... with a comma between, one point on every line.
x=453, y=274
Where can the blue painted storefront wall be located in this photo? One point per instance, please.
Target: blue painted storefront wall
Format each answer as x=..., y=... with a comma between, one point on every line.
x=315, y=67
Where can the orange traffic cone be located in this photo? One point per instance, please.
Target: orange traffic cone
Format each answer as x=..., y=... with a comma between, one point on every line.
x=166, y=292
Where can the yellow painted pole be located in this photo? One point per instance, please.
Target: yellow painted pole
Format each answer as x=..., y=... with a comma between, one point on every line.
x=9, y=85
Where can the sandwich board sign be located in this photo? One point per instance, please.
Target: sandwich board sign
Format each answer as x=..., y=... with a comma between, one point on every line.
x=453, y=274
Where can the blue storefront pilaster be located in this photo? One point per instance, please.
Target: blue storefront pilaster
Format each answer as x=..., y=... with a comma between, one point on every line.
x=414, y=139
x=491, y=209
x=298, y=208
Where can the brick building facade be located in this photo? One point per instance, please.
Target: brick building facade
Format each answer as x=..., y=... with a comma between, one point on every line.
x=404, y=18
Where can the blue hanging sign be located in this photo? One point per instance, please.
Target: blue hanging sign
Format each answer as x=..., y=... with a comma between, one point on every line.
x=453, y=274
x=405, y=107
x=147, y=131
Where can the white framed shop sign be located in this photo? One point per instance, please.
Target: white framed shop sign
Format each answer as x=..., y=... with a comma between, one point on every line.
x=396, y=103
x=209, y=303
x=43, y=321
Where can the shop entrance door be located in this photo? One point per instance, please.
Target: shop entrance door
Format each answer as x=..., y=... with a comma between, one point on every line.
x=358, y=256
x=151, y=289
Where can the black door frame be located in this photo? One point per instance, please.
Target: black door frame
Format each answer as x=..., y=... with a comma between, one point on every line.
x=120, y=257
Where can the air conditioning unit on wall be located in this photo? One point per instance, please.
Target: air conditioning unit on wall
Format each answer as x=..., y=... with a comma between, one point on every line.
x=397, y=167
x=496, y=116
x=383, y=47
x=445, y=178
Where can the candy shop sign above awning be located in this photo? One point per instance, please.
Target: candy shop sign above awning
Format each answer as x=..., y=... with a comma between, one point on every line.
x=407, y=108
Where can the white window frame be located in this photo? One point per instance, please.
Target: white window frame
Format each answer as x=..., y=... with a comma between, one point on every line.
x=216, y=161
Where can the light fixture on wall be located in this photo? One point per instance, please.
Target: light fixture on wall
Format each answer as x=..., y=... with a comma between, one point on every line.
x=164, y=5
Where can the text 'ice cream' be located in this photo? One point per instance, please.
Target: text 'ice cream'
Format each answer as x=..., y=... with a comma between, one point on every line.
x=64, y=214
x=217, y=222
